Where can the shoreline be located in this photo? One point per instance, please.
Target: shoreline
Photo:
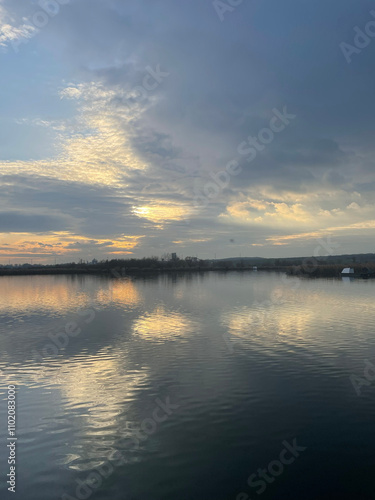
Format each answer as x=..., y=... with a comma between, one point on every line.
x=323, y=271
x=123, y=272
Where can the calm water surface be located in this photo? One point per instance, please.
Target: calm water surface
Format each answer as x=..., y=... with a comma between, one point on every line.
x=182, y=387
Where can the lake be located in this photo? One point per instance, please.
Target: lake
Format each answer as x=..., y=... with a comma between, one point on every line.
x=214, y=386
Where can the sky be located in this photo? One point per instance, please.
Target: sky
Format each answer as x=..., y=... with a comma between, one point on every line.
x=135, y=128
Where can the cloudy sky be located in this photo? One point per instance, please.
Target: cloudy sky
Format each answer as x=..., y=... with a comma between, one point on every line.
x=143, y=127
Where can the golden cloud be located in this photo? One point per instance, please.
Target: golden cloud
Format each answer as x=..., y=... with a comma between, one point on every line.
x=163, y=211
x=93, y=149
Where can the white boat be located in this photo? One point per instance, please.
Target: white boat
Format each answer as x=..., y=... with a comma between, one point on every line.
x=347, y=271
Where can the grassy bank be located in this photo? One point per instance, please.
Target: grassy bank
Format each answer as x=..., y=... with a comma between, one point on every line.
x=328, y=270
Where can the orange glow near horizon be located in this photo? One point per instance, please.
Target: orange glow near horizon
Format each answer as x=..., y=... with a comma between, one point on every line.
x=25, y=247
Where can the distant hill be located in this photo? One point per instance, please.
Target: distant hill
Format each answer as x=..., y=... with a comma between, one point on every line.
x=291, y=261
x=247, y=260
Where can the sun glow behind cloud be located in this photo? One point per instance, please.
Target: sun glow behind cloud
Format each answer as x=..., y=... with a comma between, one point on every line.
x=163, y=212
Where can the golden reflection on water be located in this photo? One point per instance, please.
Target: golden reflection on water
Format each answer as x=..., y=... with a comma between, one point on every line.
x=265, y=321
x=288, y=312
x=101, y=389
x=121, y=292
x=161, y=325
x=29, y=293
x=99, y=386
x=103, y=383
x=58, y=294
x=278, y=316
